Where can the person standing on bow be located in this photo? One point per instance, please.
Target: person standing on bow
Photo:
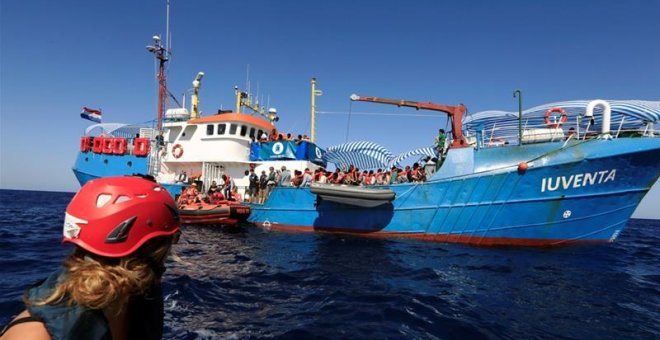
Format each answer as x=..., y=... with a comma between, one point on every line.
x=440, y=143
x=253, y=186
x=285, y=179
x=228, y=185
x=109, y=286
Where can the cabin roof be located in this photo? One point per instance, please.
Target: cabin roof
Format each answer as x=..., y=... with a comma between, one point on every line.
x=234, y=117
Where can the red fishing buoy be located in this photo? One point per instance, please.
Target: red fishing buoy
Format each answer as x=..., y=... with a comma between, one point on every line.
x=522, y=166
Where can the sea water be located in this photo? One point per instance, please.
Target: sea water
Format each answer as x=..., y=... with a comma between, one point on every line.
x=247, y=282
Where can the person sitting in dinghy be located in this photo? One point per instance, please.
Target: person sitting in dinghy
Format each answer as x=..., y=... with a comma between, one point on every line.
x=213, y=188
x=217, y=197
x=109, y=286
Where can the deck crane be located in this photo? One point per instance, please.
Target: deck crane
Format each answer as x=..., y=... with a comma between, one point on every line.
x=455, y=114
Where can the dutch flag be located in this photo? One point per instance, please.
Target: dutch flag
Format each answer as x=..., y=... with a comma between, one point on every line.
x=91, y=114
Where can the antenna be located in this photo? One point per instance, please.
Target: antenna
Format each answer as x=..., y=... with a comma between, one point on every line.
x=167, y=27
x=247, y=78
x=257, y=96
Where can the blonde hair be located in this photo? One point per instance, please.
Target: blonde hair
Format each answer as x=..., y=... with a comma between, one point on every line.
x=106, y=283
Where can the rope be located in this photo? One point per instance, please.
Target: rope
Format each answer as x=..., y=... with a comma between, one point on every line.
x=348, y=123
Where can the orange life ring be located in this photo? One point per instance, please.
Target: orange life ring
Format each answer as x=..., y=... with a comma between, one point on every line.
x=562, y=120
x=177, y=151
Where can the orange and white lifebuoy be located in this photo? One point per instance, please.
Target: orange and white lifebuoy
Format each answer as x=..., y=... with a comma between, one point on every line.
x=177, y=151
x=549, y=113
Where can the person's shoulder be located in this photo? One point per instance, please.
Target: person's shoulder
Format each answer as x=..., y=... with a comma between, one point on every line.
x=26, y=330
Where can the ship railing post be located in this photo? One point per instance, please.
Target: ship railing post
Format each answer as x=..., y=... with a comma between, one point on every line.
x=518, y=94
x=623, y=118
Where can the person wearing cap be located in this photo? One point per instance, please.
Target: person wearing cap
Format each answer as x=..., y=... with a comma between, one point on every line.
x=109, y=285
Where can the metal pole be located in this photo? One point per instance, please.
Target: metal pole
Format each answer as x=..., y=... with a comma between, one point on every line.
x=238, y=99
x=313, y=110
x=518, y=94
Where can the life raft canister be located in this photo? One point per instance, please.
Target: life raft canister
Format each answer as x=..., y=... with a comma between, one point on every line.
x=177, y=151
x=97, y=146
x=107, y=145
x=562, y=120
x=119, y=146
x=141, y=146
x=85, y=143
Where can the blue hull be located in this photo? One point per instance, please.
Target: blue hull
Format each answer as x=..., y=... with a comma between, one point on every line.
x=585, y=192
x=90, y=165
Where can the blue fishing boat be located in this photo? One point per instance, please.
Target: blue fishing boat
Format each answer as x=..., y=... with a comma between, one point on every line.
x=566, y=172
x=552, y=175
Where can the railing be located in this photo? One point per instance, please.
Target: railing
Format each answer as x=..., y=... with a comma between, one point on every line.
x=535, y=131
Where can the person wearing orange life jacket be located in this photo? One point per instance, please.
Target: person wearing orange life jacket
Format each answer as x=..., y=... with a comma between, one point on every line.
x=349, y=177
x=228, y=186
x=338, y=177
x=192, y=190
x=274, y=136
x=414, y=173
x=369, y=178
x=217, y=197
x=109, y=286
x=235, y=195
x=379, y=178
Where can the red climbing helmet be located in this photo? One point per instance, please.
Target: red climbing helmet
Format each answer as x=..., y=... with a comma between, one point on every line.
x=114, y=216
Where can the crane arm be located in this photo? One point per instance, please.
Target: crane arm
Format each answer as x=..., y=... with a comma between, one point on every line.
x=455, y=113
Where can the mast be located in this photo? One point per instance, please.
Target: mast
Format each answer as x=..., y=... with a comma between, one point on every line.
x=162, y=54
x=315, y=93
x=194, y=100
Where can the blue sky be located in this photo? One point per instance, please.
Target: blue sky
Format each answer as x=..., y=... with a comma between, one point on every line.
x=57, y=56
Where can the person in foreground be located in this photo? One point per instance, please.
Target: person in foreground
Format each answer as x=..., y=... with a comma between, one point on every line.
x=109, y=286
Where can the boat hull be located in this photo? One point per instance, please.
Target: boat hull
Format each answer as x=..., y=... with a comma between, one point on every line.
x=583, y=193
x=224, y=214
x=91, y=165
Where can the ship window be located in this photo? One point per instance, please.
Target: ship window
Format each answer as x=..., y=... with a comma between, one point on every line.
x=209, y=129
x=221, y=129
x=252, y=133
x=259, y=133
x=243, y=130
x=232, y=129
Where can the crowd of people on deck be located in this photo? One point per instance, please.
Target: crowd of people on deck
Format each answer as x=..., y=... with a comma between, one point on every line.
x=275, y=136
x=261, y=185
x=416, y=173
